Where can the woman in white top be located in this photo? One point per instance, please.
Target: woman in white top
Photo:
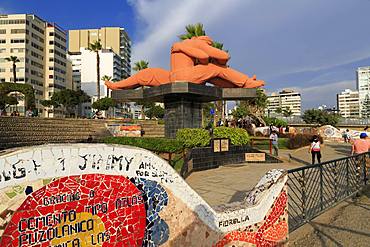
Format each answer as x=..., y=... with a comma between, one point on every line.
x=315, y=149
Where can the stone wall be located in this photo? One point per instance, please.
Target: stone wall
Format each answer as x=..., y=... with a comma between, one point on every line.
x=204, y=158
x=23, y=131
x=94, y=194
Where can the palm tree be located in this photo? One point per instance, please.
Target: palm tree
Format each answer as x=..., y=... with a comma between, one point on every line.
x=193, y=31
x=14, y=60
x=106, y=78
x=140, y=65
x=287, y=112
x=96, y=47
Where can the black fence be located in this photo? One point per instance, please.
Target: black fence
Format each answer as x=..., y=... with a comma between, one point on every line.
x=315, y=188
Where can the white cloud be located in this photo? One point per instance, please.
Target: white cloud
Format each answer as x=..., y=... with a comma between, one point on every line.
x=265, y=37
x=323, y=94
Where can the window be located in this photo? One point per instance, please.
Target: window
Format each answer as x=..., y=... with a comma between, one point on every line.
x=37, y=37
x=17, y=41
x=51, y=76
x=18, y=31
x=51, y=68
x=51, y=51
x=17, y=50
x=36, y=55
x=51, y=42
x=36, y=64
x=51, y=34
x=2, y=31
x=37, y=46
x=37, y=29
x=2, y=41
x=2, y=70
x=6, y=22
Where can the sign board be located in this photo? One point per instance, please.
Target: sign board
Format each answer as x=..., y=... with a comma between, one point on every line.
x=220, y=145
x=255, y=157
x=216, y=146
x=224, y=145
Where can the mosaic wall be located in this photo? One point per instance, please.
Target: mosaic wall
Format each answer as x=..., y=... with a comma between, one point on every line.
x=108, y=195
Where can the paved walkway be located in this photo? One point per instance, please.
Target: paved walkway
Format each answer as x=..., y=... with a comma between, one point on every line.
x=230, y=183
x=347, y=224
x=329, y=151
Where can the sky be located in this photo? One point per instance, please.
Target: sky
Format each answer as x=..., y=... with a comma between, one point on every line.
x=313, y=46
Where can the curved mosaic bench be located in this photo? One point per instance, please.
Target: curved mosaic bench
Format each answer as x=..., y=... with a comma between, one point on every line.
x=111, y=195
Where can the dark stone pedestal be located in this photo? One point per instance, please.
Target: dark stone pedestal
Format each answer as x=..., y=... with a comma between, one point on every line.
x=181, y=112
x=183, y=101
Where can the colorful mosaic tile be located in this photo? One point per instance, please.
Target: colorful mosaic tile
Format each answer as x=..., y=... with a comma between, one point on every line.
x=107, y=195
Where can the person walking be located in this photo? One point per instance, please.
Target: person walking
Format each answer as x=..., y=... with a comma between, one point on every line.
x=361, y=145
x=275, y=142
x=315, y=149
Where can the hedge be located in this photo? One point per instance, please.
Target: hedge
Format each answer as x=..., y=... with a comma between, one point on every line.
x=301, y=140
x=153, y=144
x=191, y=138
x=237, y=136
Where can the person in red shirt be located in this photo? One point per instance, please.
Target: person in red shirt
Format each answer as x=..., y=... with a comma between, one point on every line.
x=361, y=146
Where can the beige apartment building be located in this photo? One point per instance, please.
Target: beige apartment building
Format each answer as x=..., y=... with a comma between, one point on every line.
x=348, y=103
x=286, y=99
x=114, y=38
x=41, y=48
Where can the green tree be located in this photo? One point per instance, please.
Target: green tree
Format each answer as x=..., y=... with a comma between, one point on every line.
x=193, y=31
x=279, y=110
x=240, y=112
x=365, y=111
x=256, y=106
x=315, y=116
x=155, y=111
x=6, y=101
x=140, y=65
x=287, y=112
x=104, y=104
x=14, y=61
x=96, y=47
x=106, y=78
x=67, y=98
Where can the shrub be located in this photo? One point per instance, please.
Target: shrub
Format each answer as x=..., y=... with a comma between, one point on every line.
x=237, y=136
x=275, y=121
x=301, y=140
x=152, y=144
x=191, y=138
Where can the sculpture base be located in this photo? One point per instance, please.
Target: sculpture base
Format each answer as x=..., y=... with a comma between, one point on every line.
x=183, y=101
x=181, y=112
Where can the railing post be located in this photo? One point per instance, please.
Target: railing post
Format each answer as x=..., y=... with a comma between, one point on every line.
x=321, y=189
x=335, y=173
x=347, y=176
x=303, y=195
x=365, y=167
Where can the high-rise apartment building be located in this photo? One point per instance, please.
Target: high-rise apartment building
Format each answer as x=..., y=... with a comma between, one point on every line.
x=84, y=72
x=348, y=104
x=41, y=48
x=363, y=87
x=286, y=99
x=114, y=38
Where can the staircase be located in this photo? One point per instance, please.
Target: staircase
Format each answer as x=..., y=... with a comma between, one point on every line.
x=22, y=131
x=152, y=128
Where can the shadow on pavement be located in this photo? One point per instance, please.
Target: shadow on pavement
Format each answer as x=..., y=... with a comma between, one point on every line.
x=239, y=196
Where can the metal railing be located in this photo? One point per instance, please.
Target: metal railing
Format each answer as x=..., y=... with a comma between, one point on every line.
x=313, y=189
